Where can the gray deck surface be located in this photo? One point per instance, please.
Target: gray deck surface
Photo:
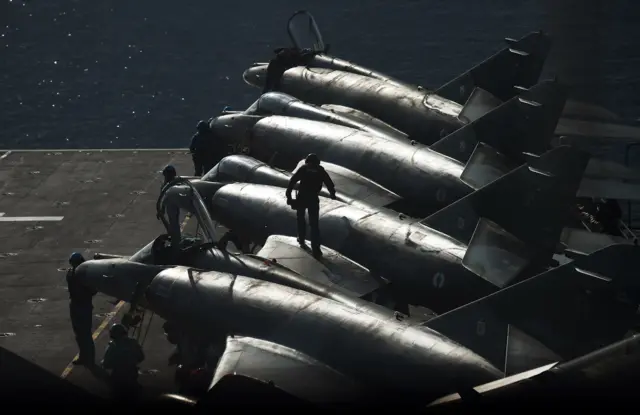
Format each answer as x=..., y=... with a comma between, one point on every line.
x=107, y=200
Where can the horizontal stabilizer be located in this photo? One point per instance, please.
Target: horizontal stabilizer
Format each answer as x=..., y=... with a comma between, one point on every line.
x=587, y=242
x=514, y=224
x=335, y=270
x=609, y=189
x=577, y=109
x=518, y=64
x=587, y=301
x=597, y=130
x=524, y=124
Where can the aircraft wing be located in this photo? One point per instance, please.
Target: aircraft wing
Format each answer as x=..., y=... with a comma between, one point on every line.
x=587, y=242
x=497, y=384
x=606, y=371
x=287, y=369
x=597, y=130
x=574, y=108
x=334, y=270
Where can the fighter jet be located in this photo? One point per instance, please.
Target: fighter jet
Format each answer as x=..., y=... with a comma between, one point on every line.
x=426, y=116
x=351, y=188
x=348, y=84
x=275, y=328
x=348, y=350
x=522, y=62
x=280, y=261
x=357, y=190
x=426, y=178
x=278, y=103
x=466, y=251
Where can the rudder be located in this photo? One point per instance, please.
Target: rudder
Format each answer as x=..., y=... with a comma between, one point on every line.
x=524, y=124
x=513, y=225
x=518, y=64
x=572, y=310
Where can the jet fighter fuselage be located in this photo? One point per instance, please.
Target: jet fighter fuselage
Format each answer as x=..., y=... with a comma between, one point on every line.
x=424, y=116
x=421, y=176
x=378, y=352
x=425, y=261
x=277, y=103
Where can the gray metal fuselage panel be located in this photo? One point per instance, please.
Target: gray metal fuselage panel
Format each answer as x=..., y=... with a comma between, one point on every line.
x=364, y=118
x=424, y=261
x=278, y=103
x=354, y=343
x=260, y=268
x=416, y=173
x=333, y=62
x=403, y=108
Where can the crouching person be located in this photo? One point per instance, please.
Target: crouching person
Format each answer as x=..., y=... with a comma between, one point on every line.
x=121, y=359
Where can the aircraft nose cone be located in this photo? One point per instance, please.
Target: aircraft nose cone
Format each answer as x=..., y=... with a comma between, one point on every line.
x=233, y=129
x=256, y=75
x=115, y=277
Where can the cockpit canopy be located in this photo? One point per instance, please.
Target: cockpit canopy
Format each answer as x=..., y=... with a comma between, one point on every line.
x=304, y=32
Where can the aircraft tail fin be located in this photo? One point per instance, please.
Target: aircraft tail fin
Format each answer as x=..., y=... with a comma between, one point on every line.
x=524, y=124
x=513, y=225
x=560, y=314
x=520, y=63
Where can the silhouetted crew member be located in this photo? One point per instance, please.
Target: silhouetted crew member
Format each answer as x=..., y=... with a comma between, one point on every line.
x=206, y=150
x=285, y=58
x=609, y=214
x=81, y=312
x=311, y=176
x=122, y=357
x=169, y=173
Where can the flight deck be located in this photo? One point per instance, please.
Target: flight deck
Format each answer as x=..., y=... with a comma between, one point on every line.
x=55, y=202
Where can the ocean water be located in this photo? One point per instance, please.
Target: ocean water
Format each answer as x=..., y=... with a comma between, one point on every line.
x=80, y=74
x=114, y=73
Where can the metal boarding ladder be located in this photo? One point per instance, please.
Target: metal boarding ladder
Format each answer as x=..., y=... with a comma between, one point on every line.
x=625, y=230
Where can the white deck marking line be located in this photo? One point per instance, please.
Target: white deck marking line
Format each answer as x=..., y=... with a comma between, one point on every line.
x=67, y=370
x=5, y=154
x=87, y=150
x=4, y=218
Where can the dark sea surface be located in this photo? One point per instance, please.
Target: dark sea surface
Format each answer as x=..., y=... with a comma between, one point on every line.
x=86, y=74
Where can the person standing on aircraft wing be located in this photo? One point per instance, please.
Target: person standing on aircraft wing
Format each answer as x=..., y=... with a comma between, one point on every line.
x=206, y=150
x=80, y=310
x=311, y=176
x=122, y=357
